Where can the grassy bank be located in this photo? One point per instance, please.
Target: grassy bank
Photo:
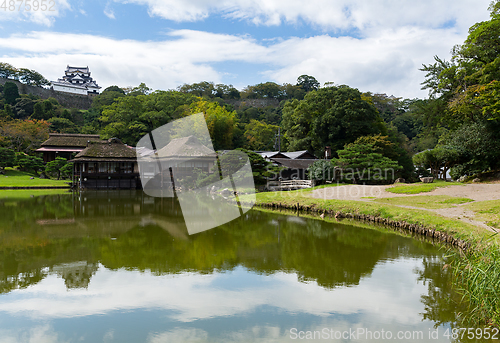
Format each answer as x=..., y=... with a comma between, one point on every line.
x=15, y=178
x=14, y=194
x=477, y=270
x=415, y=188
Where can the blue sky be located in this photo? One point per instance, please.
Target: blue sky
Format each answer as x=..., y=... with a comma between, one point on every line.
x=372, y=45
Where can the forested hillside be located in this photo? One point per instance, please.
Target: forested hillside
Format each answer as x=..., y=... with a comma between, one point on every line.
x=455, y=128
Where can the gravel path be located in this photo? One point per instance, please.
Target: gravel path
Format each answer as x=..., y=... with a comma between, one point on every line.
x=476, y=192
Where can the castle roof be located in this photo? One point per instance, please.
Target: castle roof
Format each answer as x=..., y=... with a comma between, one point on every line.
x=77, y=69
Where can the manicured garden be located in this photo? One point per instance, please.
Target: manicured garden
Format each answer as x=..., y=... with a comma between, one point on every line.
x=21, y=179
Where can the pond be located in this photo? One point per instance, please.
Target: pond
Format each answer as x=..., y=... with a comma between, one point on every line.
x=119, y=266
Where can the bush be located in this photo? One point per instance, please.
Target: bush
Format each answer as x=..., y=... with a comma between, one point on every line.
x=7, y=157
x=321, y=171
x=29, y=163
x=359, y=163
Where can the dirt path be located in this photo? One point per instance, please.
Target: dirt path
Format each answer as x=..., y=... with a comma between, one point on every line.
x=476, y=192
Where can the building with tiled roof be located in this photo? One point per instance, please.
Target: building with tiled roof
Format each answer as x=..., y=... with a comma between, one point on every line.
x=106, y=165
x=65, y=145
x=302, y=154
x=76, y=80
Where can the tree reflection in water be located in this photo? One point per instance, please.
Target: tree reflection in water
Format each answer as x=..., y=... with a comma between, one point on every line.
x=70, y=235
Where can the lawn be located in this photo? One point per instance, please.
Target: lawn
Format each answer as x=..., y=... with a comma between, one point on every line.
x=429, y=219
x=420, y=187
x=15, y=178
x=425, y=201
x=15, y=194
x=487, y=211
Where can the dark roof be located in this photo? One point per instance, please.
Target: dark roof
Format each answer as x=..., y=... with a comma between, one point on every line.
x=272, y=154
x=110, y=150
x=185, y=147
x=302, y=154
x=77, y=69
x=70, y=140
x=303, y=163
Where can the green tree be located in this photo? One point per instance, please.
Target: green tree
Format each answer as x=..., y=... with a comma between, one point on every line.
x=290, y=91
x=29, y=163
x=478, y=145
x=308, y=83
x=360, y=163
x=39, y=112
x=259, y=135
x=8, y=111
x=201, y=89
x=62, y=125
x=32, y=77
x=142, y=89
x=114, y=89
x=66, y=114
x=49, y=108
x=10, y=93
x=321, y=171
x=24, y=135
x=7, y=157
x=262, y=90
x=332, y=116
x=262, y=170
x=220, y=122
x=131, y=117
x=7, y=71
x=106, y=98
x=66, y=170
x=226, y=92
x=56, y=166
x=24, y=108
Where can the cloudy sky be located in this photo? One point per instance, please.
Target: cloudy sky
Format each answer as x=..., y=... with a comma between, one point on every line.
x=373, y=45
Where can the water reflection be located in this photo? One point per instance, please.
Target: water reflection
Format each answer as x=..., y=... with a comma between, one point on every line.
x=128, y=264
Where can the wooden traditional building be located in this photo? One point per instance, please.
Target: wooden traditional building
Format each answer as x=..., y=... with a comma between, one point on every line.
x=106, y=165
x=293, y=169
x=181, y=157
x=65, y=145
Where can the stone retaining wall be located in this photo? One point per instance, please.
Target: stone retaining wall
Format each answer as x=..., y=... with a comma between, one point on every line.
x=67, y=100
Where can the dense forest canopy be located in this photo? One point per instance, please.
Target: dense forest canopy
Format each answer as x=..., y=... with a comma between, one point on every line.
x=454, y=129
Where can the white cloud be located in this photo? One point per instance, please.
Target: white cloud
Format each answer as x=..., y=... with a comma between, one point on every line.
x=328, y=14
x=37, y=334
x=108, y=11
x=45, y=14
x=190, y=297
x=387, y=62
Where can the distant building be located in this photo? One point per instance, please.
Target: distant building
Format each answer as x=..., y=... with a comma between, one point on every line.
x=303, y=154
x=76, y=80
x=294, y=163
x=65, y=145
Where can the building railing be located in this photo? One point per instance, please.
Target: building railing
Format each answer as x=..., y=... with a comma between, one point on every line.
x=289, y=184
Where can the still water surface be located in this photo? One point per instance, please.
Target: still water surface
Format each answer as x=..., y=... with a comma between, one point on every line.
x=121, y=267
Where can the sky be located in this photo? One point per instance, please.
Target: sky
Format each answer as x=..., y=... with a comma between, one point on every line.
x=375, y=46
